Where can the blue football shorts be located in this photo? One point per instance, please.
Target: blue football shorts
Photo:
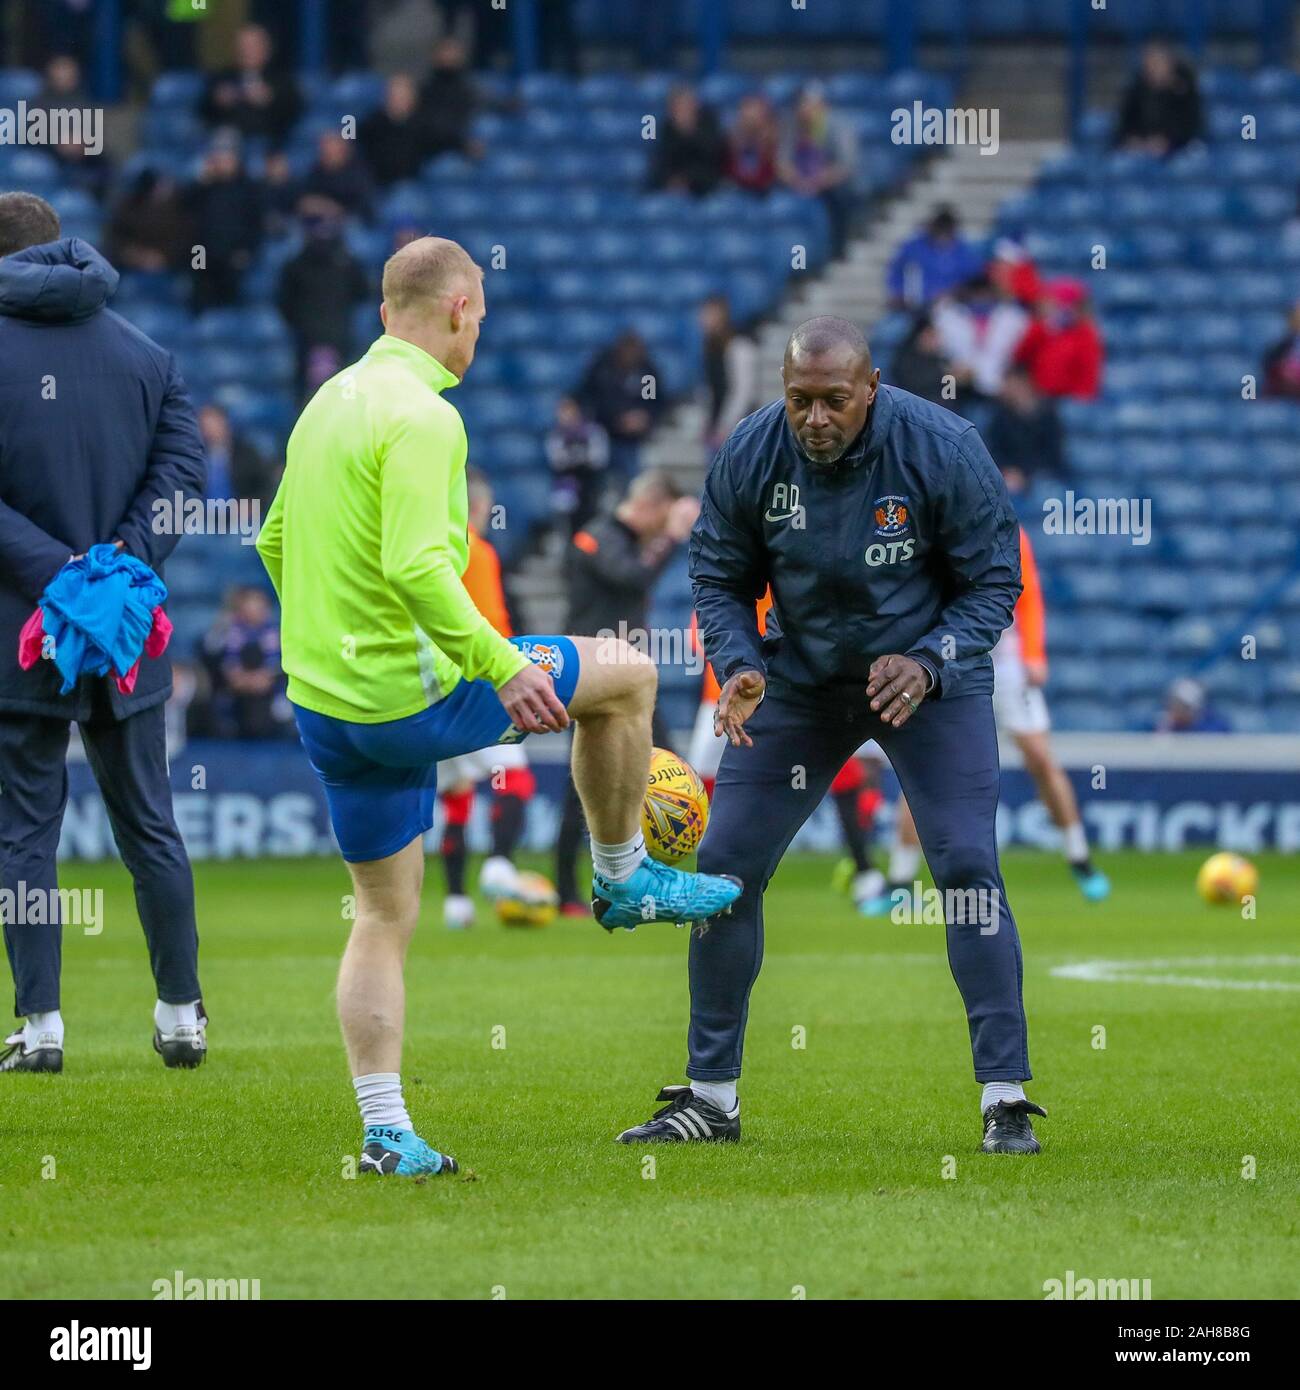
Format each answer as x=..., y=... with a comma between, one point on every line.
x=381, y=779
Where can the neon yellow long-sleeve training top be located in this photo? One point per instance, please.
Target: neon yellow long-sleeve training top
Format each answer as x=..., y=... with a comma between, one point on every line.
x=365, y=544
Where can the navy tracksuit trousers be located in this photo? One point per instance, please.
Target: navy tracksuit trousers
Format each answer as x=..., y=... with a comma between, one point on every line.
x=129, y=760
x=946, y=758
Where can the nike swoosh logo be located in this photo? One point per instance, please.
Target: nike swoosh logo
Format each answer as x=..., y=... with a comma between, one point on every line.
x=782, y=516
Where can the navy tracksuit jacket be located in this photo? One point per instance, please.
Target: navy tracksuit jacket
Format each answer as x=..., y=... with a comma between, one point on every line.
x=95, y=427
x=908, y=545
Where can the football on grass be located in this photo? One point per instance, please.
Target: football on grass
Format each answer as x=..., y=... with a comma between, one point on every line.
x=1227, y=878
x=531, y=903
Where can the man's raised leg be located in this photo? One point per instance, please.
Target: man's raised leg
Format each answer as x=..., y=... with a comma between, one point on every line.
x=613, y=706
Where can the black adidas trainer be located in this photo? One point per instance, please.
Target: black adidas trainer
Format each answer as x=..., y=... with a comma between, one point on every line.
x=1008, y=1129
x=685, y=1119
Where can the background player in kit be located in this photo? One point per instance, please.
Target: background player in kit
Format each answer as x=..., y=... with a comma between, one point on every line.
x=504, y=765
x=392, y=668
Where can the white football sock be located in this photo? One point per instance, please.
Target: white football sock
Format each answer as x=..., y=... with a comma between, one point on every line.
x=380, y=1097
x=995, y=1091
x=719, y=1093
x=618, y=863
x=169, y=1017
x=47, y=1023
x=1076, y=843
x=904, y=860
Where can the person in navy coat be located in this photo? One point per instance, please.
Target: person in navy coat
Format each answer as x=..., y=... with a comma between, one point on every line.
x=96, y=426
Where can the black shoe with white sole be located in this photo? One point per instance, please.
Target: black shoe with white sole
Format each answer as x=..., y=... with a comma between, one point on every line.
x=1008, y=1129
x=45, y=1054
x=187, y=1045
x=685, y=1119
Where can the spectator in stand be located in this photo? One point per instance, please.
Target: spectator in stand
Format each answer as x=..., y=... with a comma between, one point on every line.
x=1014, y=275
x=620, y=392
x=578, y=451
x=236, y=468
x=244, y=653
x=226, y=210
x=150, y=228
x=393, y=139
x=318, y=293
x=281, y=189
x=404, y=232
x=1161, y=108
x=250, y=97
x=92, y=174
x=62, y=90
x=819, y=158
x=1282, y=361
x=62, y=87
x=1291, y=227
x=931, y=263
x=340, y=176
x=1024, y=434
x=732, y=388
x=979, y=330
x=187, y=712
x=919, y=365
x=1187, y=711
x=752, y=146
x=449, y=101
x=1062, y=348
x=396, y=29
x=690, y=151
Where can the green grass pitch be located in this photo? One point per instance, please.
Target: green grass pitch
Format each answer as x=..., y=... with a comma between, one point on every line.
x=527, y=1051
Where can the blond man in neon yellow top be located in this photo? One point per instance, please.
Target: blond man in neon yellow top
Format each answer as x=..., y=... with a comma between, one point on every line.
x=391, y=667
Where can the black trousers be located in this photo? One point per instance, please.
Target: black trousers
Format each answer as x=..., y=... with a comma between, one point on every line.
x=129, y=760
x=946, y=758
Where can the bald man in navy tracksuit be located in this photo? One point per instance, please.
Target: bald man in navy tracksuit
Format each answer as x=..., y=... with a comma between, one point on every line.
x=892, y=551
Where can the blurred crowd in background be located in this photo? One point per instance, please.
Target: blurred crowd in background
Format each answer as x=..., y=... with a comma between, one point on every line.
x=990, y=337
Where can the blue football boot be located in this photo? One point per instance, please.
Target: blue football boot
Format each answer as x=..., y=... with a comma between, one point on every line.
x=658, y=893
x=1093, y=884
x=401, y=1151
x=896, y=896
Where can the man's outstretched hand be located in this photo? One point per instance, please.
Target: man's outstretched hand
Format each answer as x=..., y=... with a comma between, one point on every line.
x=892, y=680
x=531, y=702
x=738, y=700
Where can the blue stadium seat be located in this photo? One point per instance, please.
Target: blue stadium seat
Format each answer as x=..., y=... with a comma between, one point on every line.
x=19, y=84
x=177, y=90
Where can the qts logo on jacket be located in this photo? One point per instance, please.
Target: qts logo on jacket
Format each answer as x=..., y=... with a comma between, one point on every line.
x=893, y=518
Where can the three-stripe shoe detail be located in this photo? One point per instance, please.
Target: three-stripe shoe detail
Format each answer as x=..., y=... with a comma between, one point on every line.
x=689, y=1123
x=685, y=1119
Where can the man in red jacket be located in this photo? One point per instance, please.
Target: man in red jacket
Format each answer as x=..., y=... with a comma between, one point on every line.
x=1062, y=348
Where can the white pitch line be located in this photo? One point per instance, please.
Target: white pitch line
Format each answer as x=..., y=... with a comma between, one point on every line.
x=1122, y=972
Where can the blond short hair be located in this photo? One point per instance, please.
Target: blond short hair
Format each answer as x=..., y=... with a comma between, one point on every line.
x=424, y=270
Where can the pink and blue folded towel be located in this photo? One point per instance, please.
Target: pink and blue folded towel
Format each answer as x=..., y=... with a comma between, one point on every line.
x=100, y=613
